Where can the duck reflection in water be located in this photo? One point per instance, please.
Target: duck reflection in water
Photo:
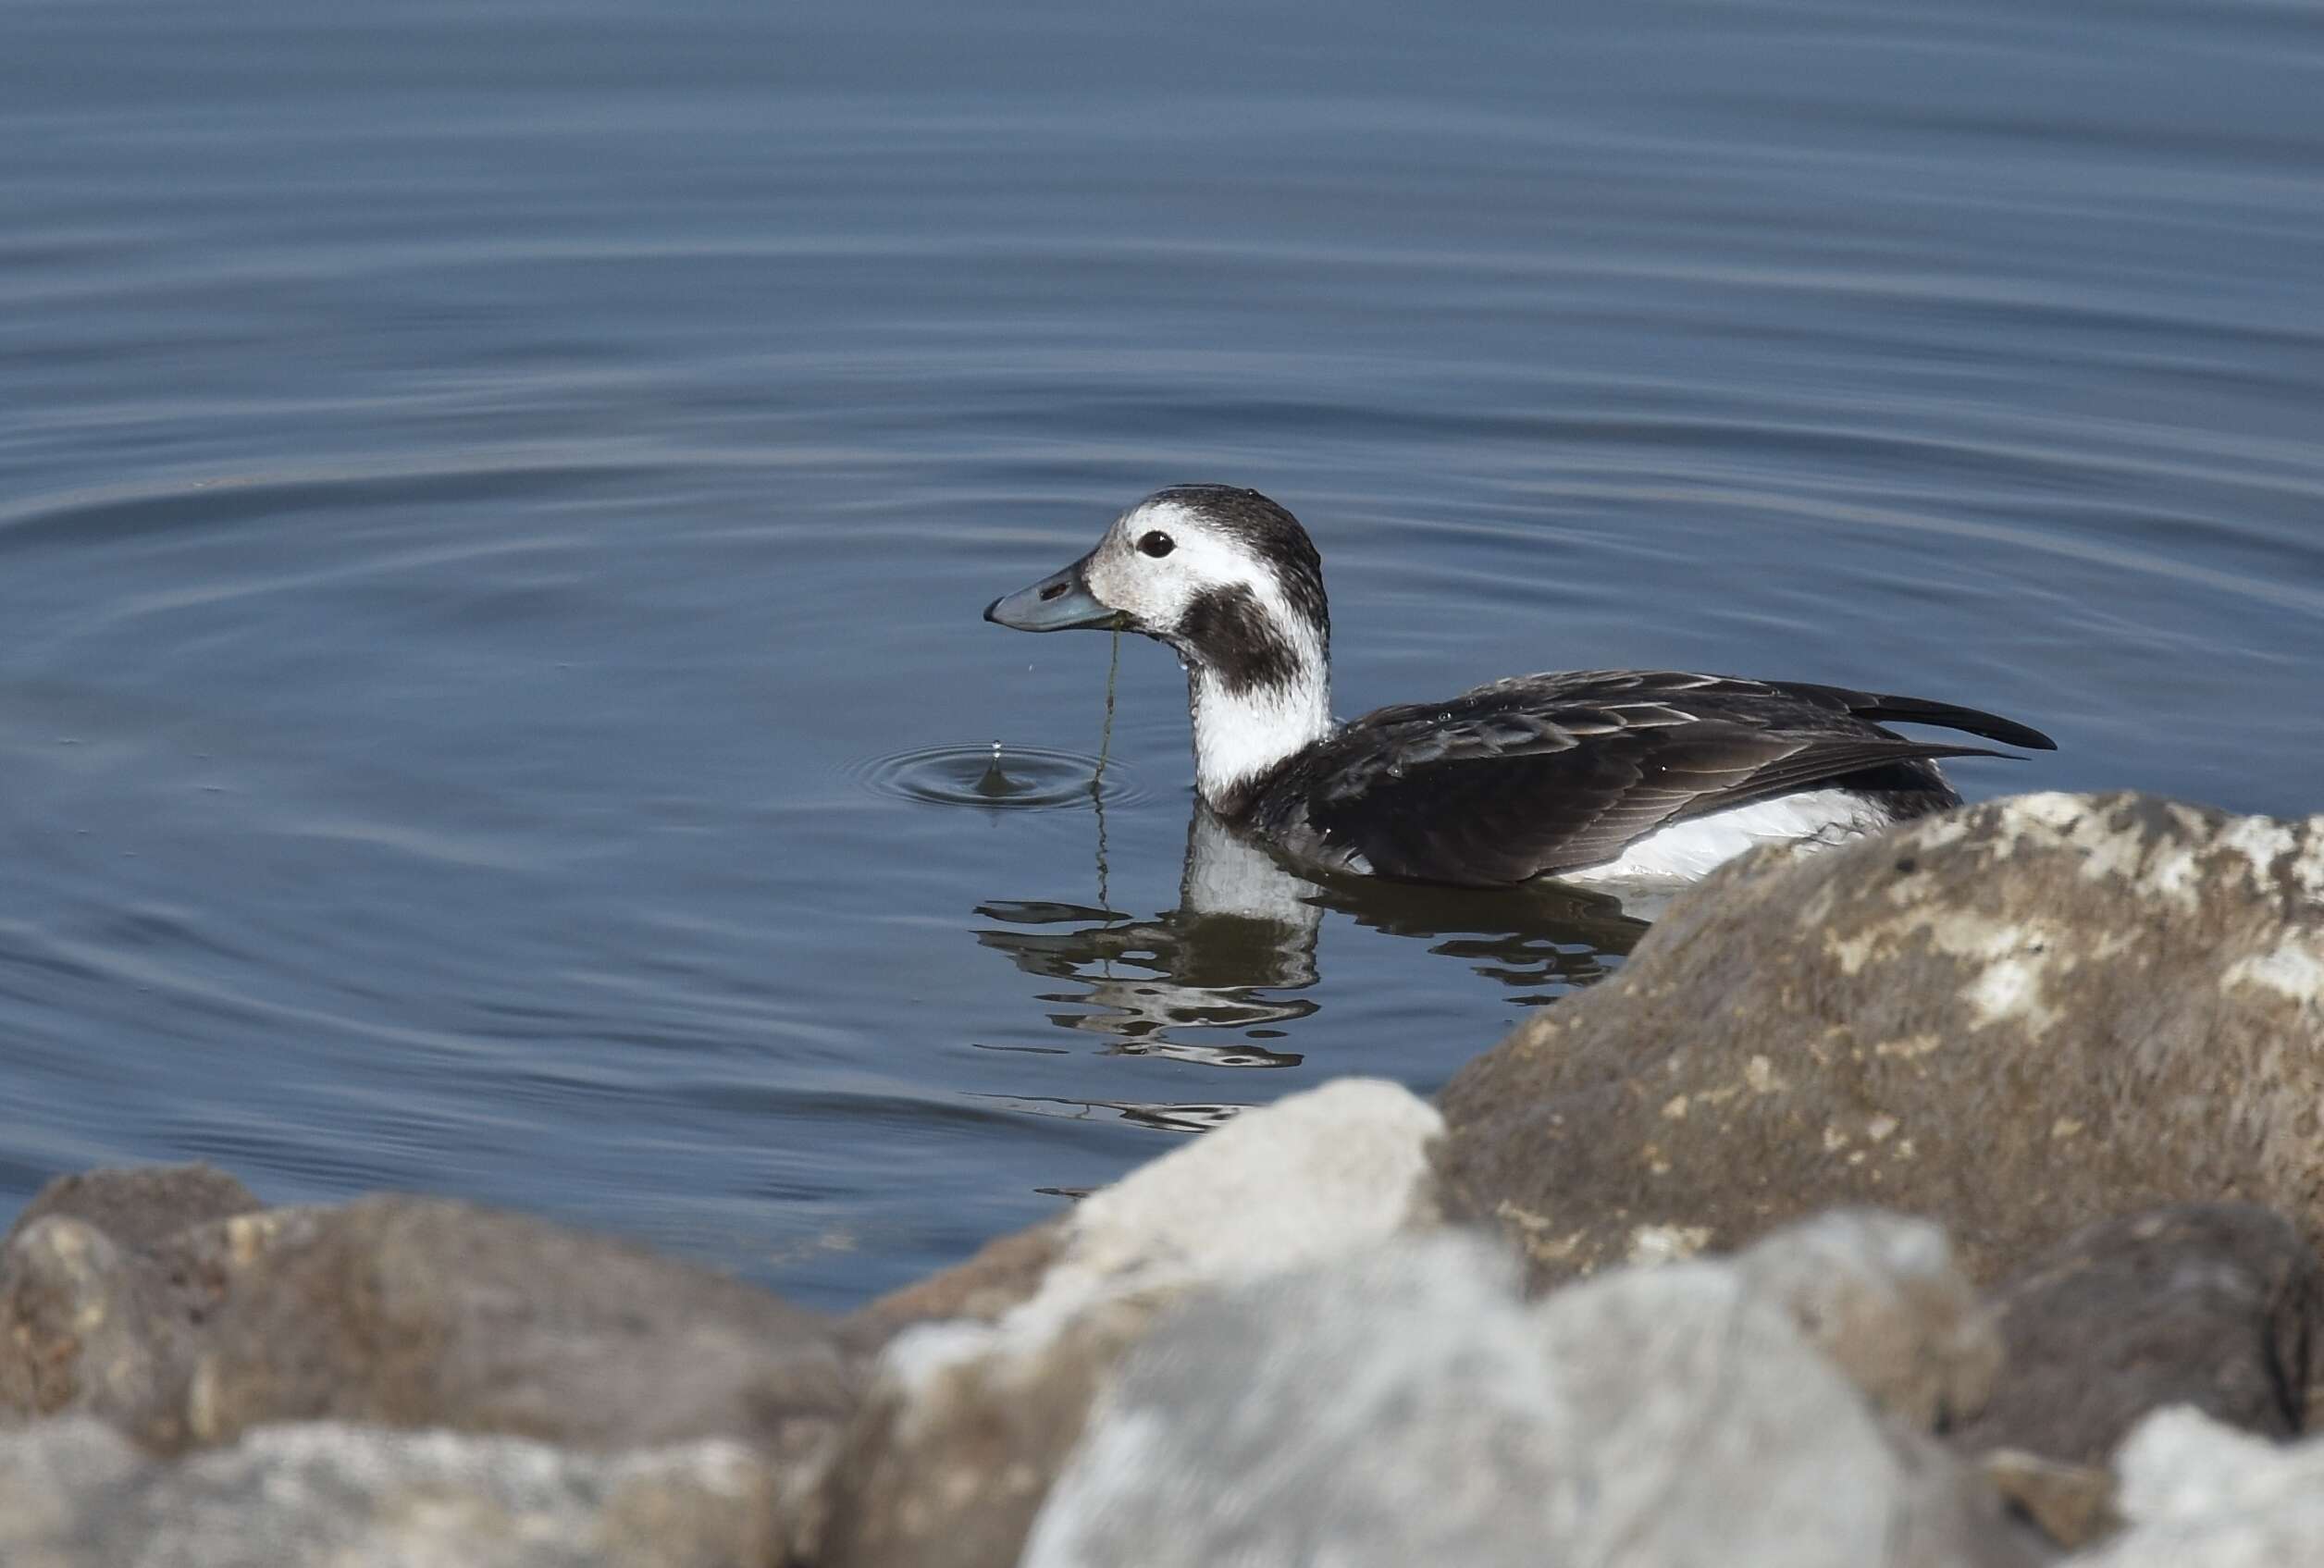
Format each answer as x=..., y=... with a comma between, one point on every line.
x=1237, y=955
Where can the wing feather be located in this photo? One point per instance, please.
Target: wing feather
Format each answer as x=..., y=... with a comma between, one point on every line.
x=1539, y=774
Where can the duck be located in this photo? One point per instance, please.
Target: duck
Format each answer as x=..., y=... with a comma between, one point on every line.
x=1646, y=777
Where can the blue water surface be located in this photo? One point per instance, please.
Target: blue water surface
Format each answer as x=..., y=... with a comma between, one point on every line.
x=495, y=502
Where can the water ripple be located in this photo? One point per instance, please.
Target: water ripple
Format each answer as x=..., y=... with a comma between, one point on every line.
x=1000, y=777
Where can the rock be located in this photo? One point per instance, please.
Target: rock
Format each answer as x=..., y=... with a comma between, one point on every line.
x=104, y=1279
x=1404, y=1405
x=2202, y=1495
x=1879, y=1297
x=966, y=1421
x=956, y=1442
x=422, y=1311
x=108, y=1330
x=1004, y=1274
x=2016, y=1018
x=74, y=1495
x=139, y=1206
x=2213, y=1307
x=403, y=1312
x=2072, y=1504
x=90, y=1325
x=56, y=1482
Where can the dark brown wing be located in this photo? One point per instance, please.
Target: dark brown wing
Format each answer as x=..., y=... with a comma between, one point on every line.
x=1546, y=773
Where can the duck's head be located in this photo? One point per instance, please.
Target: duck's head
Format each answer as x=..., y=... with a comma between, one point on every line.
x=1225, y=576
x=1231, y=582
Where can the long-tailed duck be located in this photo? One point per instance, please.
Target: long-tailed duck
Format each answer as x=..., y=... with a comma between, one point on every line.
x=1605, y=775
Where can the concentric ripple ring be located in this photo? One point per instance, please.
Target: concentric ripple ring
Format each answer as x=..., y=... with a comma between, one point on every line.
x=997, y=776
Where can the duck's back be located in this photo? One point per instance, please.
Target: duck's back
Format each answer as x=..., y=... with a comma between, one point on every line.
x=1561, y=772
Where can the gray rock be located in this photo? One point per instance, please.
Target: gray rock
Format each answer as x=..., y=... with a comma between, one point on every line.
x=2202, y=1495
x=107, y=1331
x=2016, y=1018
x=965, y=1422
x=419, y=1311
x=400, y=1310
x=2215, y=1307
x=139, y=1206
x=74, y=1495
x=104, y=1281
x=1407, y=1407
x=58, y=1480
x=89, y=1326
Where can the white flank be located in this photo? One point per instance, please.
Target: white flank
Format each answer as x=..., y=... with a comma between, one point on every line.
x=1692, y=849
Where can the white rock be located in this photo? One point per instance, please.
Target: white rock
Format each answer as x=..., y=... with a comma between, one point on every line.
x=965, y=1422
x=1332, y=1170
x=1405, y=1406
x=74, y=1495
x=1395, y=1408
x=2199, y=1494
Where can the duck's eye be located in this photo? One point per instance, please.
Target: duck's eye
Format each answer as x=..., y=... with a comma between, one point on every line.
x=1158, y=544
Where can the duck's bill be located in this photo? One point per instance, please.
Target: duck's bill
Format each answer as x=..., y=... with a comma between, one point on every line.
x=1059, y=603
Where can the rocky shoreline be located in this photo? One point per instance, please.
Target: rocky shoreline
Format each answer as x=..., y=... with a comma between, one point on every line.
x=1950, y=1200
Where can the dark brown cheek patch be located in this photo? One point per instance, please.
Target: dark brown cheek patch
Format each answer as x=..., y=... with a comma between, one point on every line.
x=1231, y=635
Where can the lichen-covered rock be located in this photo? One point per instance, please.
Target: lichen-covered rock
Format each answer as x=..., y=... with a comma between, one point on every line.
x=91, y=1326
x=75, y=1495
x=2201, y=1495
x=1406, y=1406
x=107, y=1280
x=966, y=1421
x=2219, y=1307
x=2016, y=1018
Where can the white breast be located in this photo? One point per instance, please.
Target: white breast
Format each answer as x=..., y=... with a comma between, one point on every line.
x=1691, y=849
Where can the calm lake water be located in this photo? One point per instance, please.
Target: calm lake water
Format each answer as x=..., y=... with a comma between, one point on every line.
x=496, y=502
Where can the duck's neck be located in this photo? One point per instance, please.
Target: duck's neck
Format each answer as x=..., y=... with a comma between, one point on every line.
x=1242, y=732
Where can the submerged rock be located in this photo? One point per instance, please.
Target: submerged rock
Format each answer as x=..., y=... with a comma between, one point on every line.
x=966, y=1421
x=2016, y=1018
x=2218, y=1307
x=1406, y=1406
x=73, y=1494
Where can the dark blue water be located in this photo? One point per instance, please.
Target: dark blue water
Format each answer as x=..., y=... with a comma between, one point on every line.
x=495, y=503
